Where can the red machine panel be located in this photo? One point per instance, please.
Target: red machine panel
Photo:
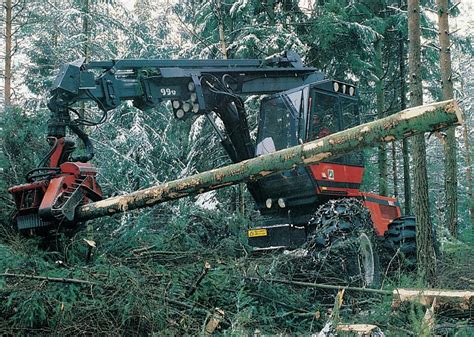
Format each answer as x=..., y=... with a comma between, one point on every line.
x=337, y=179
x=382, y=210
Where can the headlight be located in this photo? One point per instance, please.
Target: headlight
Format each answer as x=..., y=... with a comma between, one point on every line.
x=179, y=113
x=176, y=104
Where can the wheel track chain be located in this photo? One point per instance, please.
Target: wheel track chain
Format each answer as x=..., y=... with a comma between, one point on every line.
x=336, y=220
x=401, y=236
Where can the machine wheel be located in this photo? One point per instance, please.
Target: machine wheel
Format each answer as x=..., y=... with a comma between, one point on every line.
x=367, y=261
x=400, y=238
x=342, y=231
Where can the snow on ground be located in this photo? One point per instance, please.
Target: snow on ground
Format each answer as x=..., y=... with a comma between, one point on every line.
x=207, y=200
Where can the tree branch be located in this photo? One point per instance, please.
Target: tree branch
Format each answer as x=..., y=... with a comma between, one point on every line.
x=49, y=279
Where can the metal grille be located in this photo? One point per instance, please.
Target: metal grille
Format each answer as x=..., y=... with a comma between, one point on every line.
x=30, y=221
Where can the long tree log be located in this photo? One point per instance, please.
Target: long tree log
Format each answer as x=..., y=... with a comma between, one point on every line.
x=406, y=123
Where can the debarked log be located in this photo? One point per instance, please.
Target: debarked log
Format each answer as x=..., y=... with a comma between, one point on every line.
x=462, y=299
x=426, y=118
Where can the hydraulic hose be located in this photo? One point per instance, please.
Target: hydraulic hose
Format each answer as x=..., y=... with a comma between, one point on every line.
x=87, y=144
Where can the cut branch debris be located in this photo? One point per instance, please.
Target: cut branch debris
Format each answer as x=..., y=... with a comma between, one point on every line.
x=428, y=321
x=326, y=286
x=49, y=279
x=214, y=322
x=196, y=283
x=364, y=330
x=463, y=299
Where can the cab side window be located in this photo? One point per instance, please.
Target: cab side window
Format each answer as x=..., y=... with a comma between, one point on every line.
x=350, y=113
x=324, y=116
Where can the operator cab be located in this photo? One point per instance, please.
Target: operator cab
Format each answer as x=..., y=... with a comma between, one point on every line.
x=304, y=114
x=301, y=115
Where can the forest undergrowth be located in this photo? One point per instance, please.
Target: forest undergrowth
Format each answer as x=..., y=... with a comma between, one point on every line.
x=182, y=275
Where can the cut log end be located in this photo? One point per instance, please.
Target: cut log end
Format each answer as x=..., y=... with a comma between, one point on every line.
x=461, y=299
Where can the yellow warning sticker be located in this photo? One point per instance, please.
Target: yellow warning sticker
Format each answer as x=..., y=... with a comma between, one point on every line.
x=253, y=233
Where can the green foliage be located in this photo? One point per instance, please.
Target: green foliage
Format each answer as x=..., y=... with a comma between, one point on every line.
x=252, y=28
x=140, y=273
x=22, y=148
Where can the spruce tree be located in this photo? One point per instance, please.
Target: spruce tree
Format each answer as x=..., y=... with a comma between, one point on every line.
x=7, y=74
x=426, y=259
x=450, y=164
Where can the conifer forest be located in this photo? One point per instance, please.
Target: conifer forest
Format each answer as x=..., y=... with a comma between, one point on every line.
x=237, y=167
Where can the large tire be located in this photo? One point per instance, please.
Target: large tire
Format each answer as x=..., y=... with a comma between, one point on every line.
x=400, y=241
x=342, y=231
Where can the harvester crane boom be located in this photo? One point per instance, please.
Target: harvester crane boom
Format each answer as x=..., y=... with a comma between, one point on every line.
x=193, y=86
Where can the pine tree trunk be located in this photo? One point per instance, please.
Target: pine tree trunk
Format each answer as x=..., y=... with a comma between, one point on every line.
x=406, y=177
x=240, y=200
x=8, y=52
x=450, y=162
x=220, y=20
x=405, y=142
x=424, y=235
x=408, y=122
x=394, y=170
x=379, y=90
x=467, y=156
x=85, y=47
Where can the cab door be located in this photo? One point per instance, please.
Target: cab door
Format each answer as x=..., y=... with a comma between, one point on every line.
x=331, y=113
x=282, y=124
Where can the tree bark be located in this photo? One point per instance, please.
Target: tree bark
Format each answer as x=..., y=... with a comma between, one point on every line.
x=403, y=124
x=403, y=105
x=8, y=52
x=220, y=20
x=85, y=48
x=450, y=164
x=426, y=258
x=379, y=90
x=467, y=155
x=240, y=200
x=394, y=170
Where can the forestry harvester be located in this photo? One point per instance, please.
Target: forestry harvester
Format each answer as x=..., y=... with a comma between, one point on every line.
x=300, y=105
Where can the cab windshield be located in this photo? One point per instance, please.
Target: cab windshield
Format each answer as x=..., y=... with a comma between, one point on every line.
x=277, y=125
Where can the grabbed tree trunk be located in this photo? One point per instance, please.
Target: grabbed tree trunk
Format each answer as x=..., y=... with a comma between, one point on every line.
x=403, y=124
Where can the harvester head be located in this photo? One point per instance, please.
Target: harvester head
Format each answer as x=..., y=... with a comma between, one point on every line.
x=50, y=198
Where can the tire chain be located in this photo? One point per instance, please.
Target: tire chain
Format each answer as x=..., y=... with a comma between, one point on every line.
x=400, y=238
x=338, y=219
x=333, y=241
